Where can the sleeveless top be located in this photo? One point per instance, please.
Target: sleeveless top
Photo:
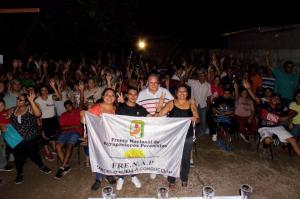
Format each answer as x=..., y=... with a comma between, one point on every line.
x=25, y=125
x=177, y=112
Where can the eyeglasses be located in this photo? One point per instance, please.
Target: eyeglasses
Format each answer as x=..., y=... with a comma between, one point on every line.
x=19, y=99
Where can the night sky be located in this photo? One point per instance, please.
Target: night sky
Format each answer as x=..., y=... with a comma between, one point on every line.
x=88, y=24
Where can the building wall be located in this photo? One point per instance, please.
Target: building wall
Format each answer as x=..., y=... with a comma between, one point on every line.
x=288, y=39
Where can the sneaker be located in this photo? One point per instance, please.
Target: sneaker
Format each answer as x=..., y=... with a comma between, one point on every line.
x=152, y=176
x=59, y=173
x=96, y=185
x=53, y=153
x=136, y=182
x=11, y=157
x=192, y=164
x=67, y=169
x=49, y=157
x=120, y=183
x=19, y=179
x=45, y=170
x=244, y=138
x=7, y=168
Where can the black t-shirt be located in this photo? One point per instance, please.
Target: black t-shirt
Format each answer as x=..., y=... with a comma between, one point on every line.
x=223, y=105
x=136, y=110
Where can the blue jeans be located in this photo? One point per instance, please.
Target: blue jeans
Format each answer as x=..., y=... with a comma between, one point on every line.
x=185, y=161
x=99, y=176
x=202, y=126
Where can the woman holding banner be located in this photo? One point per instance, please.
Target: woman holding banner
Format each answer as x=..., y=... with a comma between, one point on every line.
x=181, y=107
x=106, y=105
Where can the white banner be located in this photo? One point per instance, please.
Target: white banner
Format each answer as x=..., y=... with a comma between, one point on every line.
x=125, y=145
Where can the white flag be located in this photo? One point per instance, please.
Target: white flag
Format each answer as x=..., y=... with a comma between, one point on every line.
x=126, y=145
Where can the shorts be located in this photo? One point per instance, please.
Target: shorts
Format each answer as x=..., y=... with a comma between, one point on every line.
x=49, y=128
x=68, y=138
x=280, y=131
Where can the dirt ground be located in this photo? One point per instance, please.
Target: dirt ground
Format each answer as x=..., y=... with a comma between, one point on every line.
x=224, y=171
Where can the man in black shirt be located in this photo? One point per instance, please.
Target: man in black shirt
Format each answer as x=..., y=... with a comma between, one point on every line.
x=131, y=108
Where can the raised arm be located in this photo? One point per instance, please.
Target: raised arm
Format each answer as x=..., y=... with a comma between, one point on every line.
x=56, y=91
x=165, y=110
x=35, y=108
x=246, y=84
x=267, y=61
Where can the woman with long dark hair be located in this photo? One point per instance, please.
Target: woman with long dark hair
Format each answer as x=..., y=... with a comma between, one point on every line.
x=181, y=106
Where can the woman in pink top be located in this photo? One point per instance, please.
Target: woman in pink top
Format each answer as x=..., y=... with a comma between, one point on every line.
x=245, y=113
x=106, y=105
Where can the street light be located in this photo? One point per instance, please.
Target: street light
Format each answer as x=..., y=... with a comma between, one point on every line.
x=141, y=44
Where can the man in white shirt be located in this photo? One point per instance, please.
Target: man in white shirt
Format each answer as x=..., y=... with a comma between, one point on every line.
x=150, y=96
x=201, y=91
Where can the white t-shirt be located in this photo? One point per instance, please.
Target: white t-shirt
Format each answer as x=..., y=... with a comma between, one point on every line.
x=47, y=106
x=93, y=95
x=59, y=105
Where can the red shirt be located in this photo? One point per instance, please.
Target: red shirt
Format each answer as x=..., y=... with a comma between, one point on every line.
x=4, y=117
x=71, y=119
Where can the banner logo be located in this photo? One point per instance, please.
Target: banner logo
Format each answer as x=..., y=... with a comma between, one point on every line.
x=137, y=128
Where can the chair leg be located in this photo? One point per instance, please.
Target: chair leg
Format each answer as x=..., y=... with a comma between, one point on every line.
x=195, y=149
x=258, y=144
x=271, y=152
x=78, y=154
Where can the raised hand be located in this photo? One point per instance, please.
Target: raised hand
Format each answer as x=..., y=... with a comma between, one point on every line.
x=31, y=96
x=246, y=84
x=114, y=86
x=52, y=83
x=120, y=98
x=160, y=103
x=81, y=86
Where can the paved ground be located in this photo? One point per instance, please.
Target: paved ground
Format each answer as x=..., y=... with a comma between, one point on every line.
x=224, y=171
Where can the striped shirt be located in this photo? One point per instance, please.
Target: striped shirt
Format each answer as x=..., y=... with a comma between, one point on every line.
x=268, y=82
x=149, y=100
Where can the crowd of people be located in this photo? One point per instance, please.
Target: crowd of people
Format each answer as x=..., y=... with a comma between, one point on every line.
x=45, y=100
